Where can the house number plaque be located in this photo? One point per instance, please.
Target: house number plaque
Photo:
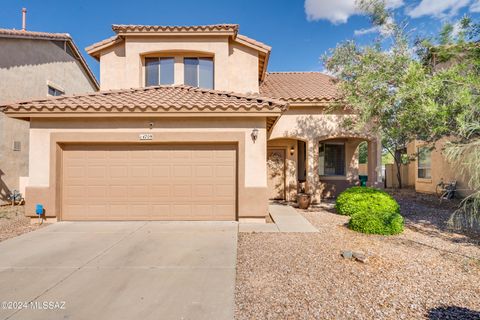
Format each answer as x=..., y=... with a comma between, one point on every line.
x=145, y=136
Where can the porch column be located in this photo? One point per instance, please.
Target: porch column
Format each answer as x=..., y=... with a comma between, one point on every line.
x=313, y=181
x=375, y=163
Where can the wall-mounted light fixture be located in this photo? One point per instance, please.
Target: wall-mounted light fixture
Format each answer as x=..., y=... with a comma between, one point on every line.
x=254, y=135
x=292, y=150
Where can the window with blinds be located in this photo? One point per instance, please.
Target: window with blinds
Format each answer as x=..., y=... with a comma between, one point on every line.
x=424, y=163
x=331, y=160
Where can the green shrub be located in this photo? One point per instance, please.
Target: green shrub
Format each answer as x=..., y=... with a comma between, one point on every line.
x=386, y=223
x=372, y=211
x=360, y=199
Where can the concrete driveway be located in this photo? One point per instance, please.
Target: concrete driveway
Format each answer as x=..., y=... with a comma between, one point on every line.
x=120, y=270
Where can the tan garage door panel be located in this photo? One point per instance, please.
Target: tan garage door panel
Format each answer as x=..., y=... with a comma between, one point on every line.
x=149, y=182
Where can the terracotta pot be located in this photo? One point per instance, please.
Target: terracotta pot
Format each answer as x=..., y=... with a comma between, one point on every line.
x=303, y=200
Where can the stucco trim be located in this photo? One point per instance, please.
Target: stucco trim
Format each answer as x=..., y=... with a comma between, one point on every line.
x=95, y=49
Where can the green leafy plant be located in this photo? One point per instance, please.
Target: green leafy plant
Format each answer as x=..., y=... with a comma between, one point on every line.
x=372, y=211
x=357, y=199
x=386, y=223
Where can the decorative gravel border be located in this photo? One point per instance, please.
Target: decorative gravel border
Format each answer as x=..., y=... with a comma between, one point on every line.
x=426, y=272
x=14, y=223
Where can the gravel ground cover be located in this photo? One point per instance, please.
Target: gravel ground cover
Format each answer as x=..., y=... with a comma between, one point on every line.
x=14, y=223
x=426, y=272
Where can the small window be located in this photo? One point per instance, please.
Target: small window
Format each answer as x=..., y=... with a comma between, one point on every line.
x=55, y=92
x=424, y=163
x=331, y=161
x=159, y=71
x=17, y=146
x=198, y=72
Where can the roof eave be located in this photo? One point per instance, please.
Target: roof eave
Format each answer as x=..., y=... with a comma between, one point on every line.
x=84, y=64
x=177, y=33
x=15, y=36
x=265, y=65
x=95, y=49
x=316, y=103
x=171, y=114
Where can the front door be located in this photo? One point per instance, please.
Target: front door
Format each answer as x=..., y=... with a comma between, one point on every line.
x=276, y=174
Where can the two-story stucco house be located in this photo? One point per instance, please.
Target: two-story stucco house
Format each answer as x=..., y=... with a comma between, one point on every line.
x=33, y=65
x=188, y=125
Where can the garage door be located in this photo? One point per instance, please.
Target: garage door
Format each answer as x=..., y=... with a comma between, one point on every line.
x=148, y=182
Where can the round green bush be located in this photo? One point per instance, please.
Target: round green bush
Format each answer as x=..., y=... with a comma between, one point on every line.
x=386, y=223
x=372, y=211
x=360, y=199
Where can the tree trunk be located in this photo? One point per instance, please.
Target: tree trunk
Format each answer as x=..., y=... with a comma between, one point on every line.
x=398, y=163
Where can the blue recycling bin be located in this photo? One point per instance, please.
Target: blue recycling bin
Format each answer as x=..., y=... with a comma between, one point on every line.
x=39, y=209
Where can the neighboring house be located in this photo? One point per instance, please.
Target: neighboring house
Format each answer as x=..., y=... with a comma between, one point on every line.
x=33, y=65
x=429, y=167
x=187, y=120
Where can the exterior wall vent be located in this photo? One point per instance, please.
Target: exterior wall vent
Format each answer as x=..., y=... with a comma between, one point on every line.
x=17, y=146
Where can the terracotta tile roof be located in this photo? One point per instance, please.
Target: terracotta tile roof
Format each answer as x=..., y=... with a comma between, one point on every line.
x=300, y=87
x=151, y=99
x=153, y=28
x=12, y=33
x=121, y=30
x=35, y=35
x=231, y=30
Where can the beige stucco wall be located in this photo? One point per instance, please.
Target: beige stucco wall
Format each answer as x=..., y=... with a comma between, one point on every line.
x=440, y=169
x=235, y=65
x=391, y=178
x=314, y=124
x=363, y=169
x=253, y=154
x=26, y=67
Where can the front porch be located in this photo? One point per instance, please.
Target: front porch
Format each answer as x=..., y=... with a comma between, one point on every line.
x=323, y=166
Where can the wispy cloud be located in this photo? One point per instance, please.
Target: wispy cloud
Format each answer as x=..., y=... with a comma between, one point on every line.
x=438, y=8
x=384, y=30
x=361, y=32
x=475, y=7
x=337, y=11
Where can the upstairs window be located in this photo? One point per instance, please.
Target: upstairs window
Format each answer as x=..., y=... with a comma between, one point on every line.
x=159, y=71
x=331, y=160
x=424, y=163
x=54, y=92
x=199, y=72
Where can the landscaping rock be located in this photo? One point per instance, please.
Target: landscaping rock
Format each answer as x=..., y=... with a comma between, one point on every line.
x=360, y=257
x=347, y=254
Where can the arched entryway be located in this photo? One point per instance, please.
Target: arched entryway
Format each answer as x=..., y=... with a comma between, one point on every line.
x=286, y=168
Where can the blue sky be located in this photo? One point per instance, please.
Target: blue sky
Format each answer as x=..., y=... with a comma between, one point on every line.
x=299, y=31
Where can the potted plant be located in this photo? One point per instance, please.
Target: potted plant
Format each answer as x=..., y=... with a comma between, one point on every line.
x=303, y=198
